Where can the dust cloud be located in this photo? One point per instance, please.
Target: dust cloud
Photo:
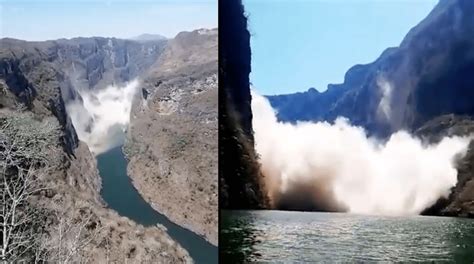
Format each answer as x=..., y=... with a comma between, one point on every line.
x=337, y=167
x=101, y=117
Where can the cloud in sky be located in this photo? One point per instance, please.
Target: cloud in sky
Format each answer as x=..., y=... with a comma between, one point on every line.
x=53, y=19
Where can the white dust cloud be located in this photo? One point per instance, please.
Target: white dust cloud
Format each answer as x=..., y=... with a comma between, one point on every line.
x=385, y=88
x=102, y=116
x=337, y=167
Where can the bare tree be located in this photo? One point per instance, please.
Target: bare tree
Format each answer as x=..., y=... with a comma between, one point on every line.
x=18, y=183
x=32, y=229
x=24, y=161
x=68, y=238
x=17, y=216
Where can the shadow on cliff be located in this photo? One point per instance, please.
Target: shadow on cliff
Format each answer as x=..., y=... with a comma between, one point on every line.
x=239, y=172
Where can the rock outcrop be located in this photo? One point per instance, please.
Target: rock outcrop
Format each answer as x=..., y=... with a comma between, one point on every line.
x=240, y=179
x=172, y=138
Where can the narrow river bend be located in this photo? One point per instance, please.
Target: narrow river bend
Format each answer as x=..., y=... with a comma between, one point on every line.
x=121, y=196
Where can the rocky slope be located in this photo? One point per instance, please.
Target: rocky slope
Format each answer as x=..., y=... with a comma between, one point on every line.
x=427, y=76
x=240, y=180
x=36, y=79
x=461, y=200
x=172, y=139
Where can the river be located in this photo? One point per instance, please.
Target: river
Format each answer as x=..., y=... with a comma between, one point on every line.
x=120, y=195
x=289, y=237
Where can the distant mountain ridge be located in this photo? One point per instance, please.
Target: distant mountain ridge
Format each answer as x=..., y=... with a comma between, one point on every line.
x=149, y=37
x=433, y=61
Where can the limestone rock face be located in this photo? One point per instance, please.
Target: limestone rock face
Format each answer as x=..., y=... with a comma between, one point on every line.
x=172, y=139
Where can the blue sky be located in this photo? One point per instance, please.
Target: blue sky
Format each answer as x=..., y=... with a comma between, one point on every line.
x=53, y=19
x=298, y=44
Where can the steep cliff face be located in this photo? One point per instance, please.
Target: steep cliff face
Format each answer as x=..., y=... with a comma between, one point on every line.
x=426, y=76
x=413, y=87
x=239, y=173
x=53, y=72
x=172, y=138
x=97, y=62
x=36, y=80
x=32, y=81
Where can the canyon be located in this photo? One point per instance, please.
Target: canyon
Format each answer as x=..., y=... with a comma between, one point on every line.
x=39, y=81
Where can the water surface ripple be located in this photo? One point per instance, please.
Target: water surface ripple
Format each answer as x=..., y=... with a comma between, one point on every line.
x=283, y=236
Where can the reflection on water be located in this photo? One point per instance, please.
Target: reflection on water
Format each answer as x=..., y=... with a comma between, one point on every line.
x=239, y=236
x=281, y=236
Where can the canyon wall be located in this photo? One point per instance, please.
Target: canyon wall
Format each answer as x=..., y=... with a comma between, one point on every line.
x=172, y=139
x=239, y=172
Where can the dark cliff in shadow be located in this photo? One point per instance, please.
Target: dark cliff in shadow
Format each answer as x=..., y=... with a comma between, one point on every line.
x=239, y=173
